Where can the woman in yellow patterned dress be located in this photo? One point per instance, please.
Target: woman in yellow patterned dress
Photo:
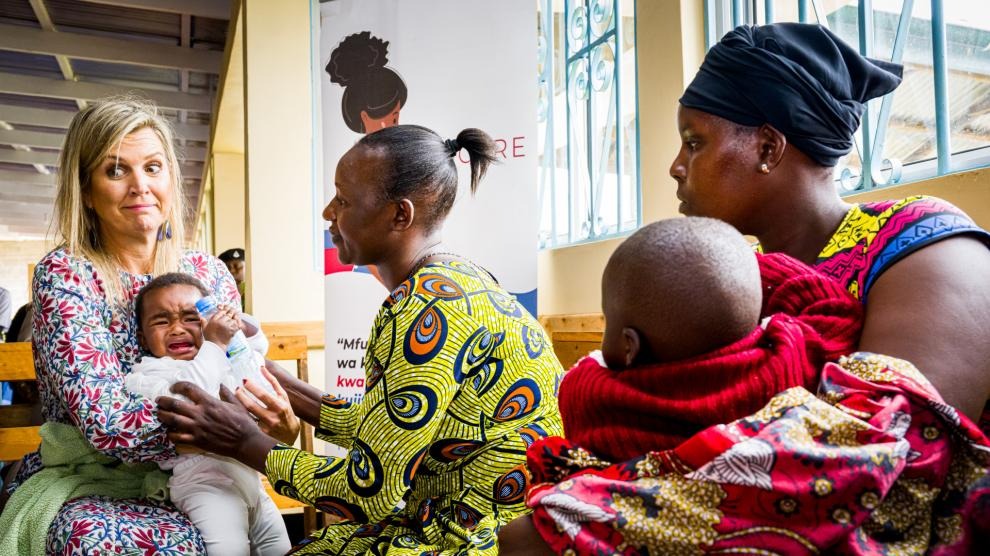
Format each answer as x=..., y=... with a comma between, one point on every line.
x=460, y=377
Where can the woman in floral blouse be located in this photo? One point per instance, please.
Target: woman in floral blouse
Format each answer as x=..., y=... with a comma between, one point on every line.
x=119, y=214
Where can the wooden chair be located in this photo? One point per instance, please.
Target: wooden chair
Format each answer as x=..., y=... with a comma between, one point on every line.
x=574, y=336
x=20, y=424
x=293, y=348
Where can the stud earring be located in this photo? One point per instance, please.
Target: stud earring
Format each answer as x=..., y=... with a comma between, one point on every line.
x=764, y=169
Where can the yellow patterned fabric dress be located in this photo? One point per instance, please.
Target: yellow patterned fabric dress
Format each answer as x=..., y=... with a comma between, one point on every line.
x=460, y=380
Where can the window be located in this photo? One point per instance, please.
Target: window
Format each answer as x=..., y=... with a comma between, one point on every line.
x=588, y=124
x=938, y=120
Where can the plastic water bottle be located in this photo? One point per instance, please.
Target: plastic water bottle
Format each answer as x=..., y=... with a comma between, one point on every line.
x=238, y=349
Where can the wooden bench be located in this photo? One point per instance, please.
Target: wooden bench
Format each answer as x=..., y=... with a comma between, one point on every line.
x=20, y=424
x=574, y=336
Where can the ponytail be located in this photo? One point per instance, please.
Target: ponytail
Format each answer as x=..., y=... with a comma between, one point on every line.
x=481, y=151
x=421, y=165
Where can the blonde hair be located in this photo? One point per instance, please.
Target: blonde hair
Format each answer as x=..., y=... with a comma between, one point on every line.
x=94, y=132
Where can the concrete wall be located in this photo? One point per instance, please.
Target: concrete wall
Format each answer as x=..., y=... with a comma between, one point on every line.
x=279, y=127
x=229, y=212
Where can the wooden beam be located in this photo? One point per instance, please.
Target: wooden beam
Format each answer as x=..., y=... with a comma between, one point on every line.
x=19, y=193
x=30, y=205
x=25, y=218
x=16, y=362
x=53, y=88
x=19, y=441
x=190, y=168
x=28, y=157
x=45, y=20
x=192, y=154
x=106, y=49
x=22, y=222
x=38, y=230
x=31, y=138
x=31, y=178
x=61, y=119
x=35, y=116
x=191, y=132
x=214, y=9
x=33, y=228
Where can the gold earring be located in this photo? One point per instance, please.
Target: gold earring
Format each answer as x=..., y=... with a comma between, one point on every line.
x=764, y=169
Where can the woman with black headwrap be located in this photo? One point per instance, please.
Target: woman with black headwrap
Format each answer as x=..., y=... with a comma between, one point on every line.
x=879, y=461
x=763, y=124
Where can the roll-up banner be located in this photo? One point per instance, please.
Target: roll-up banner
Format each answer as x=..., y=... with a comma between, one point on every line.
x=446, y=65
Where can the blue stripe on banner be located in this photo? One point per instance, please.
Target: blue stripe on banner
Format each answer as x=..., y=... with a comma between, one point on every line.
x=361, y=268
x=527, y=300
x=327, y=242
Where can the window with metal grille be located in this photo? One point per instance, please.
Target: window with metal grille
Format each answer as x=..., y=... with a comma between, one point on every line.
x=588, y=125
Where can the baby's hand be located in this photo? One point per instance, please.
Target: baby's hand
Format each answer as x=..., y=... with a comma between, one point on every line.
x=222, y=326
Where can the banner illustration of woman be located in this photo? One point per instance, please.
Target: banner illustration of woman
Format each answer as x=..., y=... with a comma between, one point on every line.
x=373, y=96
x=373, y=93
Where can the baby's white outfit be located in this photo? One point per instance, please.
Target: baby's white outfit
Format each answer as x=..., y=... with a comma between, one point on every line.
x=222, y=497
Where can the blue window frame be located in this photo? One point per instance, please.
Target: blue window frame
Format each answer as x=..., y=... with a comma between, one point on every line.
x=938, y=120
x=589, y=184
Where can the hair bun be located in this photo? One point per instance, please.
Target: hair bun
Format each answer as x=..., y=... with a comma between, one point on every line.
x=356, y=55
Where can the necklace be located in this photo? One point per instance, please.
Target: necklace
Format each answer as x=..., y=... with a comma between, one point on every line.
x=422, y=260
x=419, y=264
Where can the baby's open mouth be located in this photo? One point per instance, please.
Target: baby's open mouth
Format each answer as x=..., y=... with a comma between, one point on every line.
x=179, y=348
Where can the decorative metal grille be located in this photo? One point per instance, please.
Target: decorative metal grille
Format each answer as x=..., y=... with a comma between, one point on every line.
x=588, y=122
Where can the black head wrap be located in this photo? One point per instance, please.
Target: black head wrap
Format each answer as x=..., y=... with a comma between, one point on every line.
x=801, y=79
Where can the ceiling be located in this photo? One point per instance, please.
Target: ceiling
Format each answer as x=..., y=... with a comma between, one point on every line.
x=56, y=55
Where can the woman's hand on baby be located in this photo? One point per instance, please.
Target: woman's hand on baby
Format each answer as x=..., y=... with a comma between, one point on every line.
x=275, y=417
x=217, y=426
x=222, y=325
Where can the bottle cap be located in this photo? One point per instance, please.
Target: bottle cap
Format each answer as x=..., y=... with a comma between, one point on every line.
x=206, y=304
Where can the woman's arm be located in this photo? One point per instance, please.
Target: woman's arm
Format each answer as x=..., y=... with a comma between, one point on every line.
x=932, y=308
x=303, y=397
x=221, y=427
x=274, y=413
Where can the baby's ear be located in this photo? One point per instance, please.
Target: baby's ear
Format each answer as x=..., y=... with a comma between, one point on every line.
x=633, y=345
x=140, y=339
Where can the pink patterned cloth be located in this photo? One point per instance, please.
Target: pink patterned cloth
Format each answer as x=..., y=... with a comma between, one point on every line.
x=876, y=463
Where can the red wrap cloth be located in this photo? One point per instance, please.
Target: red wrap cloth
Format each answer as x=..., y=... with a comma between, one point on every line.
x=618, y=415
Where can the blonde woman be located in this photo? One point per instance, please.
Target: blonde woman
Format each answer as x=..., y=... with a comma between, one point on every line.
x=119, y=216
